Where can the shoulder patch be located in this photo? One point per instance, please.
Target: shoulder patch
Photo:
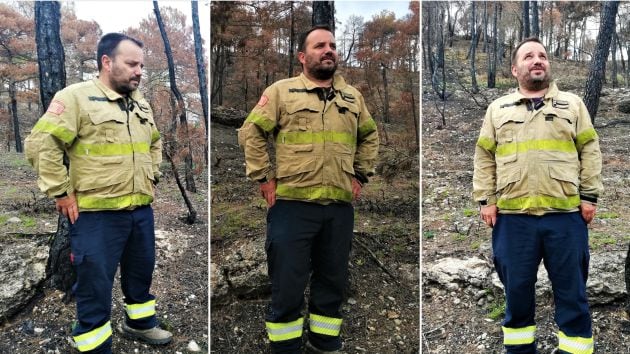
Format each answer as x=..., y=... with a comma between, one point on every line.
x=263, y=101
x=56, y=107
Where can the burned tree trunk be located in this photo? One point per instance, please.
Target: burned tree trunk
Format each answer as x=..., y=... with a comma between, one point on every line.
x=324, y=14
x=201, y=67
x=181, y=111
x=52, y=78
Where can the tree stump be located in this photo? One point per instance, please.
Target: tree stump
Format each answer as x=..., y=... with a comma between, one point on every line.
x=59, y=270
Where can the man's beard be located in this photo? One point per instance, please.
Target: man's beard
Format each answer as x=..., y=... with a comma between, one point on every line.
x=537, y=84
x=321, y=72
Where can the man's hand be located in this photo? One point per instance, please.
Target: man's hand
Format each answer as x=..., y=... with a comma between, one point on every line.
x=68, y=207
x=488, y=214
x=268, y=191
x=356, y=189
x=588, y=211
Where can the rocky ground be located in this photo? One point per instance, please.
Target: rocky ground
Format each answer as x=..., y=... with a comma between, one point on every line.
x=180, y=279
x=465, y=317
x=381, y=310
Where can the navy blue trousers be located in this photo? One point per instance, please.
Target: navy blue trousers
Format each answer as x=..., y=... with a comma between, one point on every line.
x=100, y=240
x=560, y=240
x=307, y=239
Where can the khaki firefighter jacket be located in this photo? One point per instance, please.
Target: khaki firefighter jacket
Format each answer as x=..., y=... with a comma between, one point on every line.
x=112, y=143
x=537, y=159
x=321, y=140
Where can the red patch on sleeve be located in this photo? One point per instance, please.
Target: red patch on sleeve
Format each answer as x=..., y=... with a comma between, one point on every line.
x=263, y=101
x=56, y=107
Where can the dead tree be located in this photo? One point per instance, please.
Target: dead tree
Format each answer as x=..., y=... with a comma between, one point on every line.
x=52, y=78
x=181, y=111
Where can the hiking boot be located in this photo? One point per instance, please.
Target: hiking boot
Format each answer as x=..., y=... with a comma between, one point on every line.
x=311, y=349
x=154, y=336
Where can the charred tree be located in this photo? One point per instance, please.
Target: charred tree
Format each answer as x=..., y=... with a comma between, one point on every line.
x=201, y=66
x=181, y=111
x=473, y=50
x=492, y=59
x=596, y=74
x=14, y=116
x=535, y=21
x=525, y=20
x=324, y=14
x=52, y=78
x=181, y=106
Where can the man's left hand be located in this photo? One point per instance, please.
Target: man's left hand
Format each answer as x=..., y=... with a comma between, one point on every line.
x=588, y=211
x=356, y=189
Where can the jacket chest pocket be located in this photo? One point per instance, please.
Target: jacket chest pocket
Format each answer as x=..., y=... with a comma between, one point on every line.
x=104, y=127
x=300, y=116
x=507, y=132
x=559, y=124
x=348, y=113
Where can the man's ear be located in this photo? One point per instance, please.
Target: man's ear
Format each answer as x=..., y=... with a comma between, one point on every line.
x=514, y=72
x=106, y=62
x=301, y=58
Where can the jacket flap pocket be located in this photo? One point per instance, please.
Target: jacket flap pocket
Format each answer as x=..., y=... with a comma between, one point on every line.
x=343, y=105
x=513, y=118
x=305, y=105
x=100, y=117
x=510, y=176
x=293, y=166
x=564, y=173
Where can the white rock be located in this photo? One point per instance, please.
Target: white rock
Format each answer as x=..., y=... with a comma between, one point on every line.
x=14, y=220
x=193, y=346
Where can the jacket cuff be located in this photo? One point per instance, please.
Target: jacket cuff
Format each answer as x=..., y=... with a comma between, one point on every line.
x=588, y=199
x=361, y=177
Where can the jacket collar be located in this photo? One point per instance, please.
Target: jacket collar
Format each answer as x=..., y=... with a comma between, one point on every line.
x=338, y=83
x=552, y=92
x=113, y=95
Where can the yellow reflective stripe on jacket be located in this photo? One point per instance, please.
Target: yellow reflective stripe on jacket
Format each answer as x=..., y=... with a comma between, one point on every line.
x=264, y=123
x=315, y=137
x=155, y=136
x=486, y=143
x=111, y=149
x=284, y=331
x=575, y=345
x=329, y=326
x=57, y=131
x=540, y=201
x=137, y=311
x=86, y=202
x=367, y=127
x=585, y=136
x=94, y=338
x=550, y=145
x=518, y=336
x=313, y=193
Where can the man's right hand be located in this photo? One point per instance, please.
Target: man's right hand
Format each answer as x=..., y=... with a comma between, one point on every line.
x=68, y=207
x=489, y=214
x=268, y=191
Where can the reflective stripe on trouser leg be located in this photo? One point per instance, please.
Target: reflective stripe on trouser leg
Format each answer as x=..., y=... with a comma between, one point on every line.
x=94, y=338
x=284, y=331
x=329, y=326
x=137, y=311
x=519, y=336
x=575, y=345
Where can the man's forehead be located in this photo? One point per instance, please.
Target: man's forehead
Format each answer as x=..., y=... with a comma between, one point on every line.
x=530, y=47
x=320, y=35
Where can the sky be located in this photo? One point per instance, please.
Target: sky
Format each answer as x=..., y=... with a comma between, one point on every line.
x=117, y=16
x=367, y=9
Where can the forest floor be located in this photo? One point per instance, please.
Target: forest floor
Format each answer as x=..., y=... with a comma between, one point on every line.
x=179, y=282
x=381, y=312
x=452, y=320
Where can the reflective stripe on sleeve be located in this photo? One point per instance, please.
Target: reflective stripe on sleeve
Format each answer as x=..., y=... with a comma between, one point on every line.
x=137, y=311
x=367, y=127
x=486, y=143
x=284, y=331
x=540, y=201
x=585, y=136
x=549, y=145
x=329, y=326
x=518, y=336
x=110, y=149
x=94, y=338
x=57, y=131
x=316, y=138
x=575, y=345
x=264, y=123
x=313, y=193
x=86, y=202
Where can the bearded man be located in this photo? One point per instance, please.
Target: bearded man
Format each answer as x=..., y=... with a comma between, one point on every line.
x=537, y=177
x=326, y=144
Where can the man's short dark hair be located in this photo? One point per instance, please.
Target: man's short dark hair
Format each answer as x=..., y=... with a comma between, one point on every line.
x=528, y=39
x=108, y=43
x=302, y=38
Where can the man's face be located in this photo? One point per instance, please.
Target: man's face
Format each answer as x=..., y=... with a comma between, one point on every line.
x=532, y=69
x=320, y=55
x=125, y=68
